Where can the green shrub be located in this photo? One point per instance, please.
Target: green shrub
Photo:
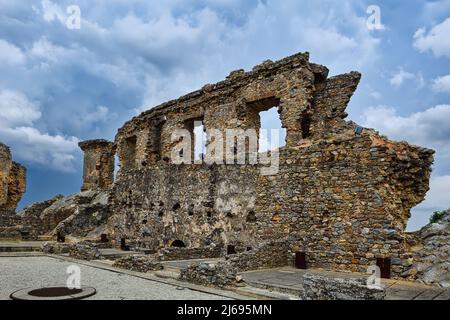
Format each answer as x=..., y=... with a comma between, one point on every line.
x=437, y=215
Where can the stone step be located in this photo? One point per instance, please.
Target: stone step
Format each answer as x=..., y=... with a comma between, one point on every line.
x=167, y=274
x=264, y=294
x=114, y=254
x=20, y=249
x=45, y=238
x=172, y=268
x=104, y=261
x=289, y=290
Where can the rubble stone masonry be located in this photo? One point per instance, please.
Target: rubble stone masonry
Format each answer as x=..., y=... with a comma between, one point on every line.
x=12, y=186
x=98, y=172
x=343, y=194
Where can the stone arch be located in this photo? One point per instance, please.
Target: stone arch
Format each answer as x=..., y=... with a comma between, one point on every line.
x=178, y=244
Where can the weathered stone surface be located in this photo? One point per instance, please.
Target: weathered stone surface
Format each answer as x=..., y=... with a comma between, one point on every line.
x=98, y=169
x=221, y=274
x=169, y=254
x=270, y=254
x=31, y=222
x=84, y=250
x=12, y=181
x=12, y=187
x=80, y=215
x=343, y=194
x=431, y=254
x=318, y=287
x=140, y=263
x=5, y=168
x=55, y=248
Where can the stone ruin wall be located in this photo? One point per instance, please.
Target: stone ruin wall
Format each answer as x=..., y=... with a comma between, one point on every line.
x=12, y=181
x=342, y=197
x=12, y=187
x=98, y=166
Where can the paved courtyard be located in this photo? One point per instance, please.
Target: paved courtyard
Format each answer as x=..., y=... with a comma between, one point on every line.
x=22, y=272
x=290, y=280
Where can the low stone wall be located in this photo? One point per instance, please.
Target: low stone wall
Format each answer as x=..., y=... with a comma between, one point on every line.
x=140, y=263
x=56, y=248
x=84, y=250
x=271, y=254
x=317, y=287
x=170, y=254
x=221, y=274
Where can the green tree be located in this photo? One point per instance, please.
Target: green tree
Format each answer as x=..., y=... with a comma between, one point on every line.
x=437, y=215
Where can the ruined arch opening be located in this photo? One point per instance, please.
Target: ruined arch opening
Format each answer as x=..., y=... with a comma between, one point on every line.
x=264, y=114
x=305, y=125
x=129, y=152
x=197, y=130
x=177, y=244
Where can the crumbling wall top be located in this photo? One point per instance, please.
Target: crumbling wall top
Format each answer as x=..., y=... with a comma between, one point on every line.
x=88, y=144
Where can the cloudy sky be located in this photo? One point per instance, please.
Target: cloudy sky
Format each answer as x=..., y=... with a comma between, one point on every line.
x=59, y=85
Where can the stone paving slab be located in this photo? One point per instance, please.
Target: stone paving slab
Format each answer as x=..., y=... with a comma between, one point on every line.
x=443, y=296
x=21, y=243
x=287, y=278
x=111, y=283
x=430, y=294
x=181, y=264
x=402, y=292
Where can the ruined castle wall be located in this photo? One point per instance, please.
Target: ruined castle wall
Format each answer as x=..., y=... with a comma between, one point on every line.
x=5, y=168
x=12, y=187
x=12, y=180
x=342, y=196
x=16, y=185
x=198, y=205
x=341, y=201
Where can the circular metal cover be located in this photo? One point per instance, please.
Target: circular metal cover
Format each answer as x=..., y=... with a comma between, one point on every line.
x=53, y=293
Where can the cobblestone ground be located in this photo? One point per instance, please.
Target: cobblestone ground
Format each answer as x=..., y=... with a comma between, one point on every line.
x=22, y=272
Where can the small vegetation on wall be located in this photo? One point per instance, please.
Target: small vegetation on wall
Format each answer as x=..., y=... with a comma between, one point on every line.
x=438, y=215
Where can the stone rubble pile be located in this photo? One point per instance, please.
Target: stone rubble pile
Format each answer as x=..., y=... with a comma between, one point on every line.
x=318, y=287
x=431, y=255
x=139, y=263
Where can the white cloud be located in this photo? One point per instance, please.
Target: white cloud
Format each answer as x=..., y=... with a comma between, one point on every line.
x=10, y=54
x=427, y=128
x=16, y=109
x=437, y=39
x=52, y=11
x=17, y=117
x=375, y=94
x=402, y=76
x=435, y=9
x=442, y=84
x=436, y=199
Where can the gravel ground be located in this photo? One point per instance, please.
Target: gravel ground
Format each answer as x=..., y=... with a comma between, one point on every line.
x=23, y=272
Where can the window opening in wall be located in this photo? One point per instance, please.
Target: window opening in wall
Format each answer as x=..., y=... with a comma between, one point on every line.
x=264, y=114
x=231, y=249
x=116, y=166
x=178, y=244
x=199, y=141
x=270, y=119
x=197, y=130
x=305, y=125
x=130, y=151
